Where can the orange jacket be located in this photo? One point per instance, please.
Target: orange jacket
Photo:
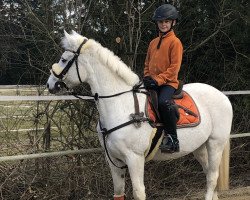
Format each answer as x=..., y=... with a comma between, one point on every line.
x=163, y=64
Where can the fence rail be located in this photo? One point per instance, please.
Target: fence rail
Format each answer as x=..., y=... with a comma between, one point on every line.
x=49, y=154
x=79, y=151
x=41, y=98
x=236, y=92
x=223, y=181
x=71, y=97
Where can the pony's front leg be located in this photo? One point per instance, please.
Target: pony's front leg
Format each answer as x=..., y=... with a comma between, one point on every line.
x=136, y=170
x=118, y=176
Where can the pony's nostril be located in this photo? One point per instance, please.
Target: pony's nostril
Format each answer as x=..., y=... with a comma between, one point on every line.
x=47, y=85
x=60, y=85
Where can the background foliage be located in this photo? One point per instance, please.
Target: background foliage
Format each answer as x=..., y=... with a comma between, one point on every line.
x=214, y=34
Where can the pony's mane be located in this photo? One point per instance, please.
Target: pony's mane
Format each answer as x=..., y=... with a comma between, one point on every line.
x=107, y=57
x=114, y=63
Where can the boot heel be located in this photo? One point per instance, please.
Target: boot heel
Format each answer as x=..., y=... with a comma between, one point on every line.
x=169, y=144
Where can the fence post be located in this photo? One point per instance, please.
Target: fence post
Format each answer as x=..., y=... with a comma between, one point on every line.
x=223, y=180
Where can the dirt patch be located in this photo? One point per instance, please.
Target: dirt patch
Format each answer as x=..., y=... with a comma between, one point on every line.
x=242, y=193
x=236, y=194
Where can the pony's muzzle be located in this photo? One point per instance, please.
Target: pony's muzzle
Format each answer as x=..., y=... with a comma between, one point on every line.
x=59, y=85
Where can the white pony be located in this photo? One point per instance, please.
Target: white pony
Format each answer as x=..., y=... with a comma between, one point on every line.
x=86, y=60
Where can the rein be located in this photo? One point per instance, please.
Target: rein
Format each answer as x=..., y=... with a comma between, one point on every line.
x=96, y=96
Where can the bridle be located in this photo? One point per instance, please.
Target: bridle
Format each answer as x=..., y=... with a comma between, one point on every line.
x=70, y=63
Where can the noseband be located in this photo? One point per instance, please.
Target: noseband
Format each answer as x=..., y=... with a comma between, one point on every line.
x=70, y=63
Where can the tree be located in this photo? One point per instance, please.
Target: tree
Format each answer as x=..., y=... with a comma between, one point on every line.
x=214, y=35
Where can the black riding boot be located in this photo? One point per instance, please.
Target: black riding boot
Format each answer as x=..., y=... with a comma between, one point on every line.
x=169, y=116
x=170, y=144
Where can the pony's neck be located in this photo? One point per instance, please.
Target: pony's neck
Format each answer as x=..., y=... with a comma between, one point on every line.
x=107, y=73
x=105, y=82
x=106, y=79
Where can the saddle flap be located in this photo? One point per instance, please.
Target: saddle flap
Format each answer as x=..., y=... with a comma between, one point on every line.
x=189, y=113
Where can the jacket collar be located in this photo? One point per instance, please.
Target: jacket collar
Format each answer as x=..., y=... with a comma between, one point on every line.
x=170, y=33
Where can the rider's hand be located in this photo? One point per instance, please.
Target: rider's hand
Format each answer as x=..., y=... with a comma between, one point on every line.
x=149, y=83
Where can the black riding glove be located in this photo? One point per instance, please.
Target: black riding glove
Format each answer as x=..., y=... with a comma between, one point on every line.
x=149, y=83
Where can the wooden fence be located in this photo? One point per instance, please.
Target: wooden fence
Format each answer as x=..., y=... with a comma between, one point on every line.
x=223, y=181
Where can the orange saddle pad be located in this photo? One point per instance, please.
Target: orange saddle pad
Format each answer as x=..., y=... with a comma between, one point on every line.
x=189, y=113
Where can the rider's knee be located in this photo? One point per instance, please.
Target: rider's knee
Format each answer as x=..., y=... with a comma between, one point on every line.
x=166, y=104
x=169, y=108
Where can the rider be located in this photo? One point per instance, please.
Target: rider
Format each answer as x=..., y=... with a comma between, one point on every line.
x=161, y=70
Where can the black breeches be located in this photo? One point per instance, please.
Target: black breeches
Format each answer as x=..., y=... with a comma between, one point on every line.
x=168, y=112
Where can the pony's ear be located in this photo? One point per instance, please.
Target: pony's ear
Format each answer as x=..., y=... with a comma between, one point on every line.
x=67, y=41
x=67, y=36
x=71, y=41
x=74, y=33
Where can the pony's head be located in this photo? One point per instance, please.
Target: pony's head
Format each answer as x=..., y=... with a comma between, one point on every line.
x=82, y=60
x=66, y=73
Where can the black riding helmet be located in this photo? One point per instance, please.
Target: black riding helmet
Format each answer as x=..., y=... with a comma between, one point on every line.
x=165, y=11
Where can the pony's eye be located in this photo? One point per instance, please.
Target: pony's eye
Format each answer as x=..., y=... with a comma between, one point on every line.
x=64, y=60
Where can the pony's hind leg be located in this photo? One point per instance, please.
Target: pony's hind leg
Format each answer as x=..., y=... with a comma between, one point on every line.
x=201, y=155
x=215, y=149
x=118, y=176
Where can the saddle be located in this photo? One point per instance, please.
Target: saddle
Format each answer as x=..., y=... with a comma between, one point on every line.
x=188, y=113
x=188, y=116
